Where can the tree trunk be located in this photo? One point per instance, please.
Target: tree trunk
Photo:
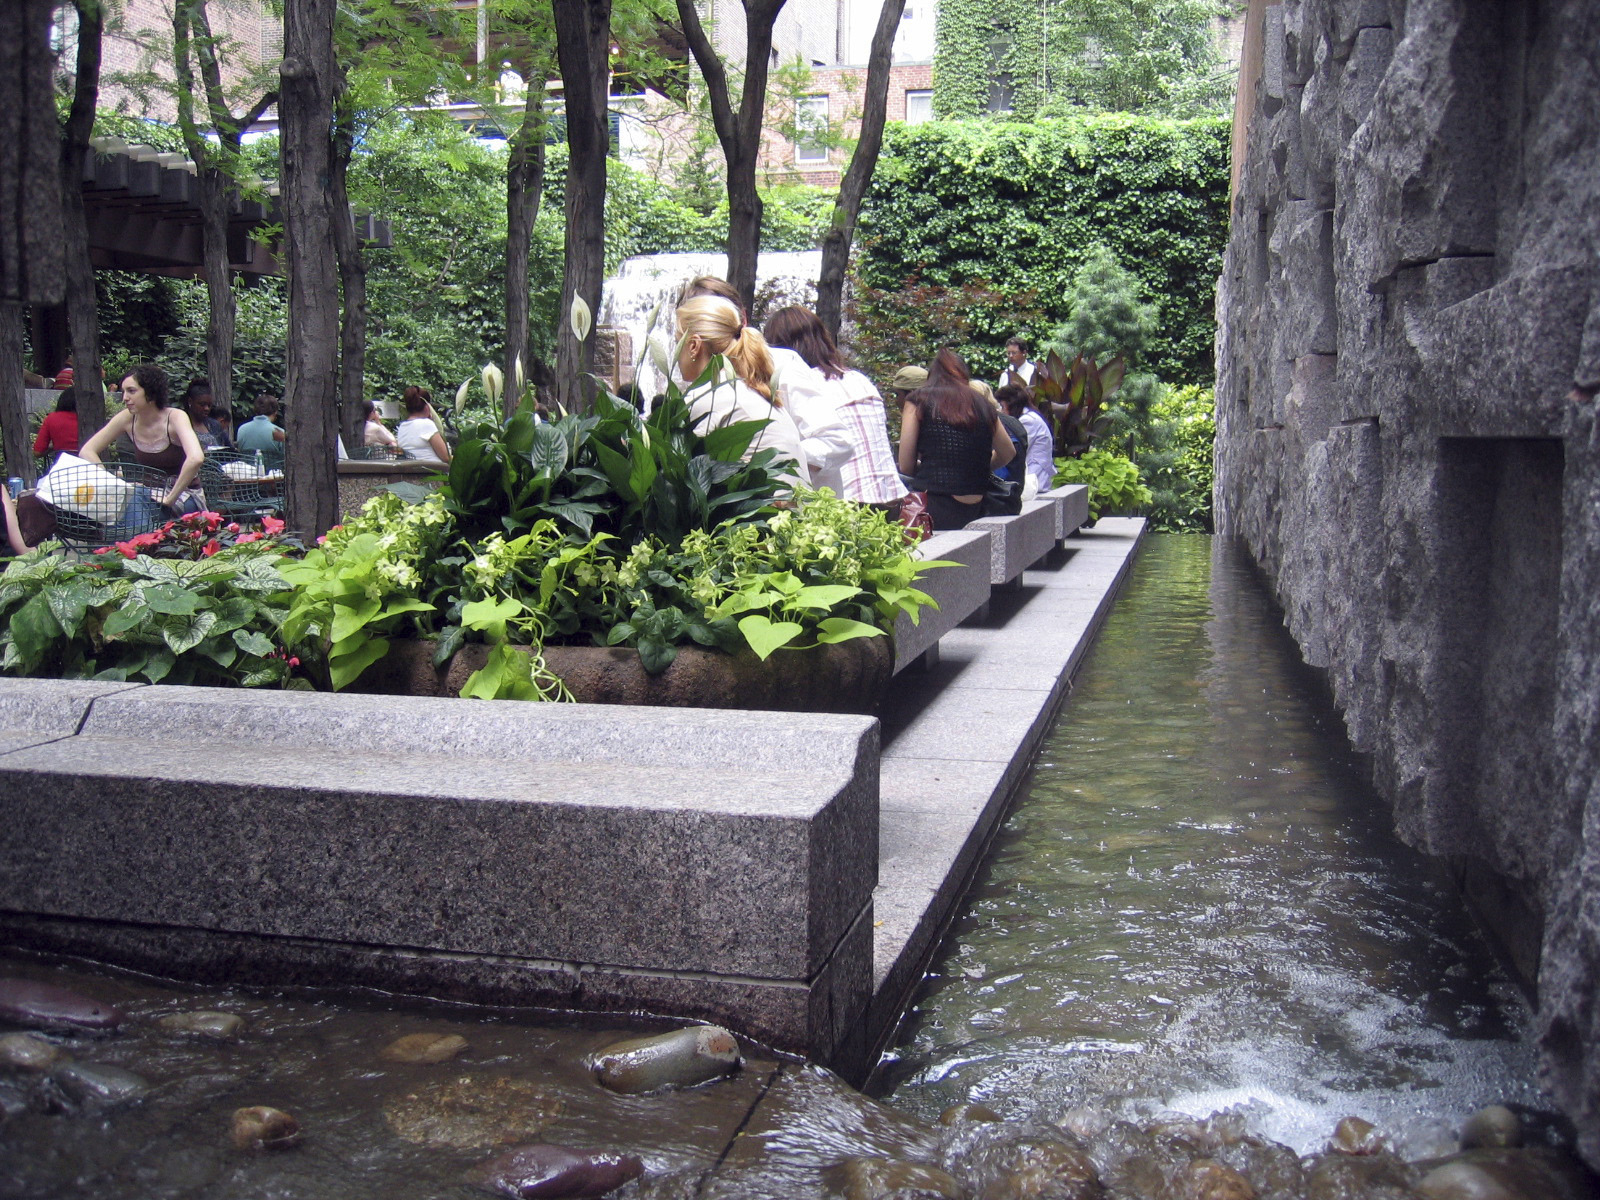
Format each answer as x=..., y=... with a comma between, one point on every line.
x=524, y=191
x=583, y=46
x=83, y=318
x=353, y=283
x=215, y=198
x=13, y=410
x=31, y=264
x=739, y=133
x=853, y=188
x=311, y=482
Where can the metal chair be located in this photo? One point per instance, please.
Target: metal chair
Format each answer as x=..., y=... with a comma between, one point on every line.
x=90, y=511
x=234, y=489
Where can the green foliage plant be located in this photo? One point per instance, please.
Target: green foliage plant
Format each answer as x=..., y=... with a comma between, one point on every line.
x=1022, y=205
x=1076, y=395
x=192, y=603
x=1176, y=460
x=1113, y=479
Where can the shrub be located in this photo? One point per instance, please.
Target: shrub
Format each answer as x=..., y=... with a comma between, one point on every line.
x=1113, y=479
x=1021, y=206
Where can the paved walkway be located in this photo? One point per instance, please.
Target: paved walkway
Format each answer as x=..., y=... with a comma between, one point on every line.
x=958, y=738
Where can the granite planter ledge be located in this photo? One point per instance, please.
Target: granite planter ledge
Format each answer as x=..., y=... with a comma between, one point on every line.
x=1020, y=541
x=959, y=591
x=689, y=862
x=1072, y=508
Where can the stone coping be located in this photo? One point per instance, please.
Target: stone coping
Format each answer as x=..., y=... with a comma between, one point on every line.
x=1016, y=543
x=699, y=862
x=1072, y=508
x=958, y=591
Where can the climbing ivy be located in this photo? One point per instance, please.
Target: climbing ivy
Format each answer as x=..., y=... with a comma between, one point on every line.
x=1021, y=206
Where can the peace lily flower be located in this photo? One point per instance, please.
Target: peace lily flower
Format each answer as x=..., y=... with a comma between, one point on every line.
x=494, y=383
x=582, y=319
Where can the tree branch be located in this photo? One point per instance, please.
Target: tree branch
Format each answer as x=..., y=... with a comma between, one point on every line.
x=714, y=73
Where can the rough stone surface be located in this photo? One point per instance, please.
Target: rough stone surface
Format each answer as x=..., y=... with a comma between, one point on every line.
x=1072, y=508
x=1016, y=543
x=1408, y=346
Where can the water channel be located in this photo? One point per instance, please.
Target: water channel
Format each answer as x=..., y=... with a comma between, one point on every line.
x=1196, y=905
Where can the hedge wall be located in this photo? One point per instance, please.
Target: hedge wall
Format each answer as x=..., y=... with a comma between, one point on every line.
x=1017, y=205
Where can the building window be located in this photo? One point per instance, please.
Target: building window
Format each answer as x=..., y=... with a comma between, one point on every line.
x=811, y=129
x=919, y=107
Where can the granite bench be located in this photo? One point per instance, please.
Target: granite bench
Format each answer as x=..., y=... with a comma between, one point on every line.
x=960, y=591
x=1016, y=543
x=696, y=862
x=1072, y=508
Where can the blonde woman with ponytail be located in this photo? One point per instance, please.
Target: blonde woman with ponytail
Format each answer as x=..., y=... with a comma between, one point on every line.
x=709, y=326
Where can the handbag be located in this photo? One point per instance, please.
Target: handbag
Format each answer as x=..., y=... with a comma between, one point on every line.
x=78, y=486
x=916, y=522
x=1003, y=499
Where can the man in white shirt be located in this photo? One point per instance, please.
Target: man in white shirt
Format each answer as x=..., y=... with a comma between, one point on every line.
x=1017, y=364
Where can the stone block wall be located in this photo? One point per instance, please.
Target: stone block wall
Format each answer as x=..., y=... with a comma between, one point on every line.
x=1408, y=355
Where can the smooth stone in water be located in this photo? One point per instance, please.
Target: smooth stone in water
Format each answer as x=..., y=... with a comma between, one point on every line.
x=87, y=1083
x=960, y=1114
x=890, y=1179
x=45, y=1006
x=260, y=1127
x=535, y=1172
x=1508, y=1174
x=680, y=1059
x=219, y=1025
x=1207, y=1179
x=1495, y=1127
x=26, y=1052
x=471, y=1112
x=1355, y=1136
x=1021, y=1161
x=424, y=1048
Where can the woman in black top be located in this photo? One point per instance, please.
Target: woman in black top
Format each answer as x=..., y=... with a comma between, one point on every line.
x=950, y=440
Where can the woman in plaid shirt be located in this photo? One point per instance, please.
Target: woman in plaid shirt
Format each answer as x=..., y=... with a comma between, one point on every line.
x=869, y=475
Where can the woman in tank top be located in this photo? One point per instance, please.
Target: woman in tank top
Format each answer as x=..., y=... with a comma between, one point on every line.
x=162, y=437
x=950, y=441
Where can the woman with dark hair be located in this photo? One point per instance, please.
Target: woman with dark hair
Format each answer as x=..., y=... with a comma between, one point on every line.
x=951, y=440
x=419, y=434
x=198, y=401
x=868, y=476
x=162, y=436
x=374, y=432
x=60, y=428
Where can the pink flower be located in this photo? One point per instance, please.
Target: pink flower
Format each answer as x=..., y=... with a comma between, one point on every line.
x=272, y=524
x=127, y=550
x=249, y=537
x=233, y=527
x=294, y=662
x=102, y=549
x=210, y=548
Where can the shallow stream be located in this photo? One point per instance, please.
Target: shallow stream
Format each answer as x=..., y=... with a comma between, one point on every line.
x=1196, y=905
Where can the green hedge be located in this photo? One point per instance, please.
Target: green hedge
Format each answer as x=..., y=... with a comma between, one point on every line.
x=1019, y=206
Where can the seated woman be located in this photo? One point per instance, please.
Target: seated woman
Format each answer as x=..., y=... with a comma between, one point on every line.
x=162, y=437
x=60, y=429
x=868, y=475
x=950, y=441
x=374, y=431
x=709, y=326
x=199, y=404
x=419, y=434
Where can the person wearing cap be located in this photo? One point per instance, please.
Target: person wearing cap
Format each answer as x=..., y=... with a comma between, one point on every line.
x=907, y=380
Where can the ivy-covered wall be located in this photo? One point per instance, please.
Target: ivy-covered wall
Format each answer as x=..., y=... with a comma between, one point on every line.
x=1018, y=206
x=979, y=41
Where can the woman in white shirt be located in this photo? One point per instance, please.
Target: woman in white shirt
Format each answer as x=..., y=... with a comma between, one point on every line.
x=868, y=475
x=418, y=434
x=709, y=326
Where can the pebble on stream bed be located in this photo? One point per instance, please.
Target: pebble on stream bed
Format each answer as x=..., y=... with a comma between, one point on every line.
x=220, y=1026
x=424, y=1048
x=679, y=1059
x=532, y=1172
x=260, y=1127
x=28, y=1052
x=36, y=1005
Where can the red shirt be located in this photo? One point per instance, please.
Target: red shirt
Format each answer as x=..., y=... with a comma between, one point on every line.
x=59, y=432
x=64, y=379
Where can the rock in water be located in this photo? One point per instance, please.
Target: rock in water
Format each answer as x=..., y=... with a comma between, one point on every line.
x=424, y=1048
x=25, y=1052
x=471, y=1112
x=958, y=1114
x=680, y=1059
x=1355, y=1136
x=1207, y=1179
x=890, y=1179
x=262, y=1128
x=45, y=1006
x=87, y=1083
x=1507, y=1174
x=1493, y=1127
x=534, y=1172
x=219, y=1025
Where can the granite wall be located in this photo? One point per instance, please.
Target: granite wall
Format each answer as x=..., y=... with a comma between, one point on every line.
x=1408, y=356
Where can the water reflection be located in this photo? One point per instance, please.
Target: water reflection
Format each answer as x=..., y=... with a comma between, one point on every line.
x=1198, y=903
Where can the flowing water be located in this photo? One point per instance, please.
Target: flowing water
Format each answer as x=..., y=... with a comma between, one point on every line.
x=1198, y=904
x=1195, y=906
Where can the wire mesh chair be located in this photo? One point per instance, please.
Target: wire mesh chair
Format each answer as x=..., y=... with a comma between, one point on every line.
x=100, y=504
x=235, y=487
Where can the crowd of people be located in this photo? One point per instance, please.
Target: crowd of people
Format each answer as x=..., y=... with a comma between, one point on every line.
x=970, y=450
x=973, y=451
